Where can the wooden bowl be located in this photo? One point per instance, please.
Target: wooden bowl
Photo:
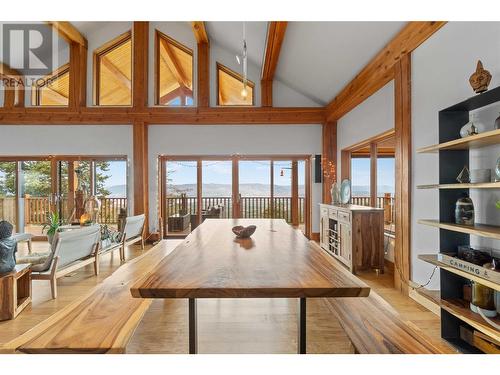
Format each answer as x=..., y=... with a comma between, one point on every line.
x=244, y=232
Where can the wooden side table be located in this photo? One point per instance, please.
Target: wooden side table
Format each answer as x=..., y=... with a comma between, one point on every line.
x=15, y=291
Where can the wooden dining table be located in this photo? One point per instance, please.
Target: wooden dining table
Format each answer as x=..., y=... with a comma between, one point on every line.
x=277, y=261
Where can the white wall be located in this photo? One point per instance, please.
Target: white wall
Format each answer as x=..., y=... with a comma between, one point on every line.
x=372, y=117
x=228, y=140
x=441, y=68
x=32, y=140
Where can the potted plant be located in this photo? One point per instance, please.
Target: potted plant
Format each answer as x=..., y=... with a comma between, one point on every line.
x=52, y=225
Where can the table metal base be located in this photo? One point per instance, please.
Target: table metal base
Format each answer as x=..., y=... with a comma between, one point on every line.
x=193, y=327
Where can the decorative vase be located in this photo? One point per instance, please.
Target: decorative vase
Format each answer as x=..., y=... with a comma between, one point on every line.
x=483, y=298
x=497, y=170
x=464, y=211
x=480, y=79
x=335, y=193
x=471, y=128
x=497, y=123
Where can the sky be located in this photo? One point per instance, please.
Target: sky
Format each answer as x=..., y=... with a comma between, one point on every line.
x=219, y=172
x=360, y=171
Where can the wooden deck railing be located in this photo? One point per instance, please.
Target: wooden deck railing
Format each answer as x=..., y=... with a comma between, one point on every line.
x=386, y=202
x=36, y=209
x=251, y=207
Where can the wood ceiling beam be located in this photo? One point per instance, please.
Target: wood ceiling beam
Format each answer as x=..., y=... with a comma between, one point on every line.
x=275, y=36
x=380, y=70
x=120, y=77
x=68, y=32
x=200, y=33
x=163, y=115
x=179, y=91
x=173, y=64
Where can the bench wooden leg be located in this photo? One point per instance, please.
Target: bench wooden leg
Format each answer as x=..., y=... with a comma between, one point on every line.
x=193, y=327
x=301, y=340
x=142, y=243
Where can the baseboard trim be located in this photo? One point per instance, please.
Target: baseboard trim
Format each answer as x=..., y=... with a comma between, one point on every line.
x=423, y=297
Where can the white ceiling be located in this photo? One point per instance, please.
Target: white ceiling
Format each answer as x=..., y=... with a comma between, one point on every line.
x=229, y=35
x=319, y=58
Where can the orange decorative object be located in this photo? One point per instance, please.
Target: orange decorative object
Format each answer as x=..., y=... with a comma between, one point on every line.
x=480, y=79
x=329, y=169
x=85, y=219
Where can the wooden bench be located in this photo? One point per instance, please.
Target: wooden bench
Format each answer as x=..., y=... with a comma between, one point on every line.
x=374, y=327
x=101, y=321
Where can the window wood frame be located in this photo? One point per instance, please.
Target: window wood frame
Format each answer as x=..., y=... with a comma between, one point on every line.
x=237, y=76
x=104, y=49
x=56, y=74
x=157, y=57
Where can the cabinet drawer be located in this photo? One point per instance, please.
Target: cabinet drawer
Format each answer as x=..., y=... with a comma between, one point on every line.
x=344, y=216
x=333, y=214
x=324, y=211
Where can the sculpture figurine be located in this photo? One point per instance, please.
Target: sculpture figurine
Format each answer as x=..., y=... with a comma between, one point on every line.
x=244, y=232
x=480, y=79
x=8, y=247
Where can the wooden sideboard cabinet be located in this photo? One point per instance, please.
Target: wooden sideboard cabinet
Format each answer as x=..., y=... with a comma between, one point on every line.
x=354, y=235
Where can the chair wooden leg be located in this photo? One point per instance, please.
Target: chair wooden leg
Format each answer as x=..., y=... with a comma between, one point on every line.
x=96, y=265
x=29, y=246
x=53, y=287
x=122, y=253
x=142, y=243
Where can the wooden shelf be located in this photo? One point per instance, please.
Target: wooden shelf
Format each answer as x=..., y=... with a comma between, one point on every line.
x=433, y=259
x=461, y=310
x=482, y=230
x=479, y=185
x=488, y=138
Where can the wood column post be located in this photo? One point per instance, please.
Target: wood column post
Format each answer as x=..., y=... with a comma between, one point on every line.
x=402, y=255
x=140, y=46
x=203, y=74
x=140, y=163
x=373, y=174
x=295, y=192
x=77, y=76
x=329, y=154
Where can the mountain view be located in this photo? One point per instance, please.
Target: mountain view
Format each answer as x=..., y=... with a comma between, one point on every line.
x=252, y=190
x=225, y=190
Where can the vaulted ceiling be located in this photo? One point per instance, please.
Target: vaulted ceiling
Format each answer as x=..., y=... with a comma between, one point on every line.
x=317, y=58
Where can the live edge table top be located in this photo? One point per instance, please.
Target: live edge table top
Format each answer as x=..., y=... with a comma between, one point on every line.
x=278, y=261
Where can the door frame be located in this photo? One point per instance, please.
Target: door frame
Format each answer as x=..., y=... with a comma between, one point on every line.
x=235, y=158
x=54, y=178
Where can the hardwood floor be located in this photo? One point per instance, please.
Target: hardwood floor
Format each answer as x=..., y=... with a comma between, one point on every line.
x=225, y=325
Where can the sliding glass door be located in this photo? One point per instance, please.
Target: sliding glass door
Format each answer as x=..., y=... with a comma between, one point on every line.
x=32, y=187
x=197, y=188
x=36, y=195
x=8, y=192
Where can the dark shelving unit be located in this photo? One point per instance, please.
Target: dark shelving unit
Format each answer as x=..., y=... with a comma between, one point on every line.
x=451, y=161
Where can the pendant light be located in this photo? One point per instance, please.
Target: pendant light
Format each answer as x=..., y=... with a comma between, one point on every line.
x=243, y=61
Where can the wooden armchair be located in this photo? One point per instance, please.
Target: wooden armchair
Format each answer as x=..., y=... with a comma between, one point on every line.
x=69, y=251
x=133, y=232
